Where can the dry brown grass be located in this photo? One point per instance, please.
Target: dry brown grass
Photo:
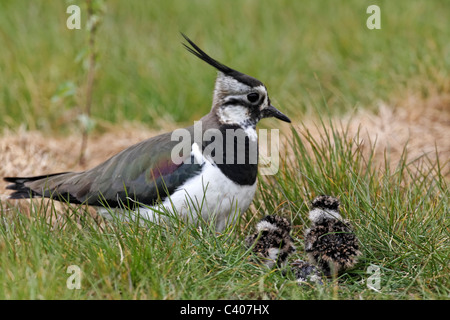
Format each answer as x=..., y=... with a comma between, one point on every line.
x=421, y=126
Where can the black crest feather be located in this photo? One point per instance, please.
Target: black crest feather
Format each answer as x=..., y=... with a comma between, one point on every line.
x=199, y=53
x=195, y=50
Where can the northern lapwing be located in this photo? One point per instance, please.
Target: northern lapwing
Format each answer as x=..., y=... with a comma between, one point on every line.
x=214, y=182
x=330, y=242
x=271, y=242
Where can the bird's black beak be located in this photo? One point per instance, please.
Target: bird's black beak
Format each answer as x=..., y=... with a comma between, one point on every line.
x=271, y=111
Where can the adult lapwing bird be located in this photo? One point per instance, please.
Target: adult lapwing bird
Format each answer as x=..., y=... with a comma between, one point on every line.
x=208, y=170
x=330, y=242
x=271, y=242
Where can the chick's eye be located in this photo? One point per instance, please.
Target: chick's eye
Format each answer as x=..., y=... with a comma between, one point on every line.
x=253, y=97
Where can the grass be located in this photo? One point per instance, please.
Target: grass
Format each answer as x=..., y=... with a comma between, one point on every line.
x=300, y=50
x=400, y=214
x=400, y=217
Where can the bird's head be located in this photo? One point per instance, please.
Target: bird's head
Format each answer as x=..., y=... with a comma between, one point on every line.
x=238, y=98
x=273, y=222
x=324, y=207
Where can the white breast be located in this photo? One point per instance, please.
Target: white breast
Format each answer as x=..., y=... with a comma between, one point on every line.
x=212, y=195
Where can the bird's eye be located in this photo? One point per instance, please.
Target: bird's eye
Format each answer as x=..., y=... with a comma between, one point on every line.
x=253, y=97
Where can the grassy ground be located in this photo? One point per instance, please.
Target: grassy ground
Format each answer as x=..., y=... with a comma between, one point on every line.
x=400, y=217
x=317, y=58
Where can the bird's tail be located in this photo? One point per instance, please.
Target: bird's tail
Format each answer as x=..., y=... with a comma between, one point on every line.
x=21, y=190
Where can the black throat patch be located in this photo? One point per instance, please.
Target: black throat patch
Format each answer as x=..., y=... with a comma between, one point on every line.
x=238, y=157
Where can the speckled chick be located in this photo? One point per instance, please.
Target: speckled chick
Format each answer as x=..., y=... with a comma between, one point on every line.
x=272, y=242
x=306, y=273
x=330, y=242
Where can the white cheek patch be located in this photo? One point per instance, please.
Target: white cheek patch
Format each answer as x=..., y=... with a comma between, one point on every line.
x=233, y=114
